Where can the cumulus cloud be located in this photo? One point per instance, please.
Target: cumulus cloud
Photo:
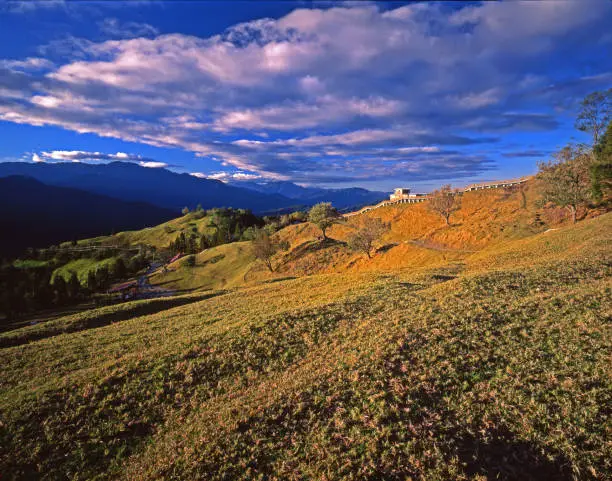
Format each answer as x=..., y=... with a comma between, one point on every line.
x=337, y=95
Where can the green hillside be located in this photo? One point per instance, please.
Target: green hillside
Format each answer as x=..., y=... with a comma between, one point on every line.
x=82, y=267
x=491, y=366
x=160, y=235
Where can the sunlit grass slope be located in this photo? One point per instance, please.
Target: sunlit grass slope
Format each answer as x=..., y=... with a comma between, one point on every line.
x=223, y=266
x=418, y=239
x=496, y=367
x=160, y=235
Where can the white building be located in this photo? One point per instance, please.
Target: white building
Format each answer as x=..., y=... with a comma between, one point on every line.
x=403, y=195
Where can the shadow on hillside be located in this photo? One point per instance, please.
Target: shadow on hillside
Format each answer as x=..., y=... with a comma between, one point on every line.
x=279, y=279
x=310, y=247
x=90, y=320
x=503, y=457
x=386, y=247
x=442, y=277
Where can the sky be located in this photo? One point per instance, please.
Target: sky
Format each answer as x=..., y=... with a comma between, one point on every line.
x=333, y=94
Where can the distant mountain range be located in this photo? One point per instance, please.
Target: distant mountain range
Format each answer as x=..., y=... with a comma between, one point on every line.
x=161, y=187
x=127, y=181
x=43, y=204
x=341, y=198
x=33, y=214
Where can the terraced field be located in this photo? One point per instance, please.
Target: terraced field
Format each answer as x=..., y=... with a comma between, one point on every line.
x=494, y=365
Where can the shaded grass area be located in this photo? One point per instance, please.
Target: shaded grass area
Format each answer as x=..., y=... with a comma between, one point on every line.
x=97, y=318
x=500, y=372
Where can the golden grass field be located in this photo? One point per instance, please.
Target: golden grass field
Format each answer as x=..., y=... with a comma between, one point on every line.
x=482, y=351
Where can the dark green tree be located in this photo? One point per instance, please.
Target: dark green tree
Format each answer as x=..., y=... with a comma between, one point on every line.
x=73, y=286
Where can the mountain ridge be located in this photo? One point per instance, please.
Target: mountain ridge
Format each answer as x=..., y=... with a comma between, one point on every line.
x=34, y=214
x=164, y=188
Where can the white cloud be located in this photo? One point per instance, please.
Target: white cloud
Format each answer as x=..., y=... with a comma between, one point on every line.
x=81, y=155
x=227, y=176
x=326, y=88
x=153, y=165
x=28, y=64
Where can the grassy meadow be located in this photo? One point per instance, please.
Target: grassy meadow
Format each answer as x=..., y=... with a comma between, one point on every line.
x=466, y=365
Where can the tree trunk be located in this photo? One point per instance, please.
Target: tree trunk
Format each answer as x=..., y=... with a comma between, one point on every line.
x=324, y=235
x=447, y=219
x=269, y=264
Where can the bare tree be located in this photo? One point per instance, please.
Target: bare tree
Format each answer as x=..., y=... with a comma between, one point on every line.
x=323, y=215
x=566, y=179
x=595, y=113
x=445, y=201
x=264, y=247
x=370, y=231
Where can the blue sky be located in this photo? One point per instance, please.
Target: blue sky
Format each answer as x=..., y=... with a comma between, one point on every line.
x=333, y=94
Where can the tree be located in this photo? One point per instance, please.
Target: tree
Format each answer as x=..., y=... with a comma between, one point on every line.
x=60, y=289
x=92, y=283
x=298, y=216
x=264, y=247
x=566, y=180
x=323, y=215
x=185, y=210
x=73, y=286
x=595, y=113
x=601, y=170
x=118, y=269
x=102, y=277
x=204, y=242
x=190, y=261
x=444, y=201
x=221, y=221
x=371, y=230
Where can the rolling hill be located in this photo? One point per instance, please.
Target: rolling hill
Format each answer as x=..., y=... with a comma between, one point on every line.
x=470, y=352
x=485, y=370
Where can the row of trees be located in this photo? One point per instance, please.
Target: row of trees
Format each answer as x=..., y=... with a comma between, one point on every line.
x=31, y=287
x=229, y=225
